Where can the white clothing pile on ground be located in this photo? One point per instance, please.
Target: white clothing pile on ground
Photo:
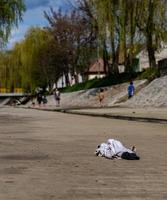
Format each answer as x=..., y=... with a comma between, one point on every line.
x=115, y=149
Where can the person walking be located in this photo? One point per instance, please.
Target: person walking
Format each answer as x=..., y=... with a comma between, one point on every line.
x=44, y=100
x=39, y=98
x=33, y=100
x=56, y=94
x=131, y=90
x=101, y=96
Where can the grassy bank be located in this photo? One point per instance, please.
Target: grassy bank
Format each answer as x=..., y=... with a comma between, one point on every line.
x=102, y=82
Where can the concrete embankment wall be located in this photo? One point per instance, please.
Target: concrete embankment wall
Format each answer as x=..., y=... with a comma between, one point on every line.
x=4, y=101
x=89, y=98
x=153, y=95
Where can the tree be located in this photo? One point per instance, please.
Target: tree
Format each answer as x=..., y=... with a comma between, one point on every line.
x=33, y=62
x=72, y=34
x=11, y=12
x=94, y=48
x=152, y=22
x=38, y=59
x=108, y=17
x=126, y=30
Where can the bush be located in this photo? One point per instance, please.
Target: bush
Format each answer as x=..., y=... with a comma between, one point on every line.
x=150, y=74
x=102, y=82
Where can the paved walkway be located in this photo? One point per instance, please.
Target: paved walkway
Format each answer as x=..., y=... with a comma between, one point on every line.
x=50, y=156
x=157, y=115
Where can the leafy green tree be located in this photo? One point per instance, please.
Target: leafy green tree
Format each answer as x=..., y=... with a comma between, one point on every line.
x=4, y=69
x=152, y=22
x=126, y=30
x=94, y=47
x=35, y=58
x=11, y=12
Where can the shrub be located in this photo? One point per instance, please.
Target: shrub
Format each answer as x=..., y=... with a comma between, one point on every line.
x=150, y=74
x=102, y=82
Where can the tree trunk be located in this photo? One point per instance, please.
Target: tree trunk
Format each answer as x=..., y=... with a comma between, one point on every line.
x=105, y=58
x=67, y=81
x=114, y=59
x=151, y=55
x=149, y=36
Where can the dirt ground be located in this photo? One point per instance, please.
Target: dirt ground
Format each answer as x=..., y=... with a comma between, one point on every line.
x=50, y=156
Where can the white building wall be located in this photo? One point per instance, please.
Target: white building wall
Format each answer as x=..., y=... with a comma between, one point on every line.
x=61, y=82
x=144, y=61
x=92, y=76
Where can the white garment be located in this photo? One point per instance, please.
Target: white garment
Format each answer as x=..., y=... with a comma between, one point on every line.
x=117, y=147
x=105, y=151
x=113, y=148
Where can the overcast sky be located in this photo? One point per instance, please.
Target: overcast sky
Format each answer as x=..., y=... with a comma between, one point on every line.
x=34, y=16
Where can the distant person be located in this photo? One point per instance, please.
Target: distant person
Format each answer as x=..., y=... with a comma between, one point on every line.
x=33, y=100
x=101, y=96
x=56, y=94
x=39, y=98
x=44, y=100
x=131, y=90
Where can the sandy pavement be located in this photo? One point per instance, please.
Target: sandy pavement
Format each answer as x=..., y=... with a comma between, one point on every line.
x=49, y=156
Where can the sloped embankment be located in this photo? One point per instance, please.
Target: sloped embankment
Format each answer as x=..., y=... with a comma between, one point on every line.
x=153, y=95
x=4, y=101
x=89, y=98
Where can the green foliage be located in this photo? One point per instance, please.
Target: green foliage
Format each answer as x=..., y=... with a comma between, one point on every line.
x=150, y=74
x=31, y=63
x=102, y=82
x=11, y=12
x=103, y=28
x=127, y=22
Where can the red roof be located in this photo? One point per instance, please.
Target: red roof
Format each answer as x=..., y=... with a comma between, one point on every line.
x=97, y=67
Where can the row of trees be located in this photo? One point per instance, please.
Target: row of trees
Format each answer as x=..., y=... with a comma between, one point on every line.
x=46, y=54
x=127, y=26
x=94, y=28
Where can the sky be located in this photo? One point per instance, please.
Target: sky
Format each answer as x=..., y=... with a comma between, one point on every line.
x=34, y=17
